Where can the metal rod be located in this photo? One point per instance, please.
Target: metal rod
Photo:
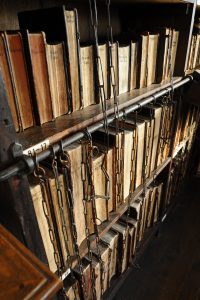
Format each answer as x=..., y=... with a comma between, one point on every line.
x=21, y=166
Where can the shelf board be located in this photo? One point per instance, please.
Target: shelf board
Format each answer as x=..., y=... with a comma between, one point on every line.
x=114, y=216
x=64, y=126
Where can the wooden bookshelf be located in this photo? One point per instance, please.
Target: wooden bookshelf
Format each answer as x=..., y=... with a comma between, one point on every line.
x=51, y=132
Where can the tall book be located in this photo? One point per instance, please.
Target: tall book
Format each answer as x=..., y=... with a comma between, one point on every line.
x=72, y=290
x=57, y=78
x=152, y=58
x=67, y=31
x=8, y=82
x=123, y=68
x=111, y=239
x=163, y=44
x=18, y=68
x=42, y=91
x=142, y=60
x=139, y=127
x=87, y=73
x=196, y=51
x=75, y=154
x=114, y=71
x=133, y=65
x=43, y=206
x=102, y=65
x=122, y=247
x=175, y=37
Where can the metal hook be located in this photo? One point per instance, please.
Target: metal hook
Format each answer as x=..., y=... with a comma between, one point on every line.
x=87, y=134
x=139, y=108
x=39, y=171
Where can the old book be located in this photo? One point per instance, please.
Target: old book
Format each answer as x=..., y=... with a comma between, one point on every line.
x=137, y=213
x=133, y=65
x=151, y=206
x=57, y=191
x=107, y=168
x=37, y=49
x=100, y=188
x=142, y=61
x=105, y=257
x=20, y=77
x=139, y=126
x=87, y=73
x=152, y=58
x=196, y=51
x=123, y=67
x=72, y=291
x=149, y=137
x=57, y=78
x=87, y=277
x=41, y=202
x=75, y=153
x=155, y=112
x=158, y=195
x=127, y=162
x=175, y=36
x=8, y=83
x=115, y=142
x=67, y=31
x=71, y=23
x=114, y=71
x=122, y=247
x=132, y=241
x=111, y=239
x=103, y=70
x=163, y=44
x=191, y=53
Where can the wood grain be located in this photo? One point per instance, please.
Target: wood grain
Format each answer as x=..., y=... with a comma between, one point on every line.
x=23, y=276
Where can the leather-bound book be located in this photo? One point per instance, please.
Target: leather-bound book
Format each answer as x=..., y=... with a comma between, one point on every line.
x=102, y=66
x=133, y=228
x=114, y=72
x=163, y=44
x=133, y=65
x=152, y=58
x=142, y=60
x=123, y=67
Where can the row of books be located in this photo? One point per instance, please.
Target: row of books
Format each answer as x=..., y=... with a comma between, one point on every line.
x=145, y=134
x=118, y=245
x=47, y=74
x=194, y=52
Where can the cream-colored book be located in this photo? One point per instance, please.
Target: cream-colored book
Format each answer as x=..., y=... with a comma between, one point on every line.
x=114, y=73
x=133, y=65
x=142, y=61
x=87, y=72
x=152, y=58
x=123, y=65
x=103, y=68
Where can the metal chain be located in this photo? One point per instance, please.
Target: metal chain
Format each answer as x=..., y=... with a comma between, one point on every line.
x=91, y=190
x=64, y=160
x=46, y=194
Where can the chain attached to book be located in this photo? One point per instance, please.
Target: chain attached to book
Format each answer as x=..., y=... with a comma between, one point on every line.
x=89, y=195
x=39, y=173
x=64, y=160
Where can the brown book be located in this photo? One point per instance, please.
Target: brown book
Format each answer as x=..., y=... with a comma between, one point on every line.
x=20, y=78
x=152, y=58
x=142, y=61
x=158, y=199
x=39, y=206
x=71, y=23
x=57, y=78
x=37, y=49
x=111, y=239
x=133, y=65
x=123, y=68
x=122, y=248
x=87, y=277
x=6, y=74
x=115, y=70
x=127, y=162
x=87, y=72
x=168, y=62
x=196, y=51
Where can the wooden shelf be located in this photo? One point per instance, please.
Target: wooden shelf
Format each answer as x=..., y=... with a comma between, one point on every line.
x=41, y=136
x=179, y=147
